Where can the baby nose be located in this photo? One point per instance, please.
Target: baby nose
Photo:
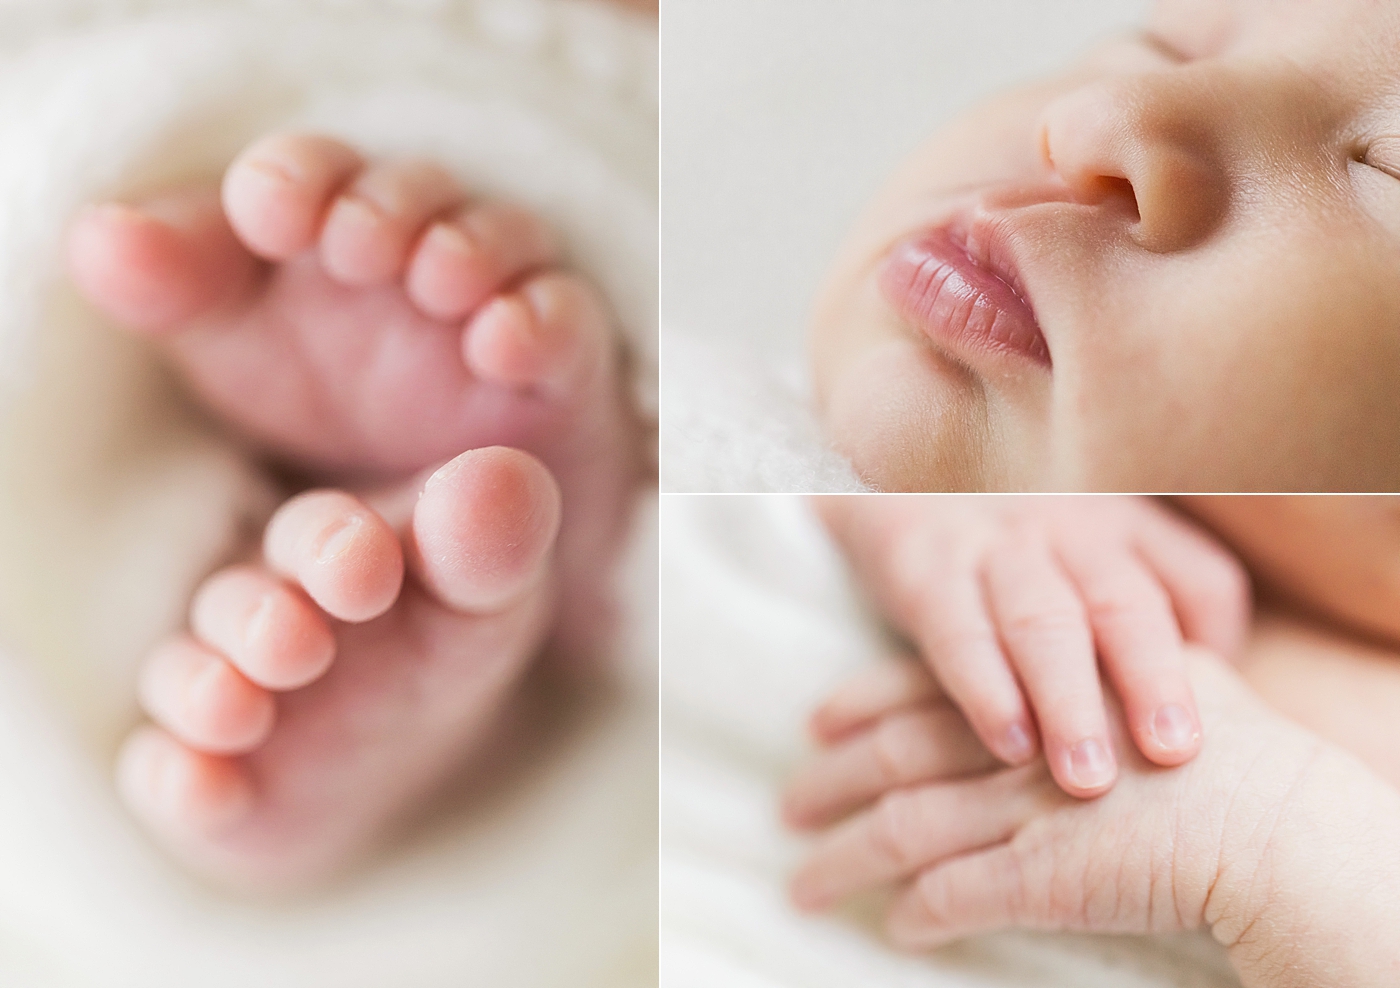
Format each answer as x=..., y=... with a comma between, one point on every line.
x=1141, y=143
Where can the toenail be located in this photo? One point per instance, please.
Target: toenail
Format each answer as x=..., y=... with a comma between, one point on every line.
x=273, y=173
x=444, y=236
x=357, y=212
x=204, y=686
x=258, y=620
x=1174, y=728
x=335, y=540
x=1089, y=767
x=442, y=473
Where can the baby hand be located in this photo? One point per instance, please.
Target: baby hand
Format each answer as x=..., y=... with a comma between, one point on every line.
x=1009, y=600
x=1283, y=845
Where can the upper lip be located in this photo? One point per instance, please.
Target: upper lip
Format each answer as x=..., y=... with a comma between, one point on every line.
x=988, y=225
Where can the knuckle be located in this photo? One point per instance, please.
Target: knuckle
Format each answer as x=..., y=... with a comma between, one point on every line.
x=959, y=646
x=895, y=827
x=937, y=900
x=1223, y=581
x=1029, y=879
x=926, y=593
x=1048, y=623
x=1115, y=604
x=895, y=748
x=1016, y=884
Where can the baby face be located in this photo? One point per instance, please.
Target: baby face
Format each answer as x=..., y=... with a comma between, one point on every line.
x=1177, y=266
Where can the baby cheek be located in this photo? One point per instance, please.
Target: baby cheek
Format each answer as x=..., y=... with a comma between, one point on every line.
x=908, y=422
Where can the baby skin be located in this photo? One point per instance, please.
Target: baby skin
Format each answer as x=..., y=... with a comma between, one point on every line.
x=1279, y=842
x=1013, y=602
x=1013, y=605
x=449, y=402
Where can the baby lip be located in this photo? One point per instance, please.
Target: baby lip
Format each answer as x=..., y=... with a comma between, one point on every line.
x=958, y=298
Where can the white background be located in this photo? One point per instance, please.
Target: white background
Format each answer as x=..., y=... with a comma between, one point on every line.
x=781, y=117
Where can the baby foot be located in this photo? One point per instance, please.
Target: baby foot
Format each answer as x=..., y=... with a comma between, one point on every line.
x=330, y=684
x=363, y=320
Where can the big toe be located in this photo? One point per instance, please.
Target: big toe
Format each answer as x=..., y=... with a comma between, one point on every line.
x=155, y=266
x=484, y=528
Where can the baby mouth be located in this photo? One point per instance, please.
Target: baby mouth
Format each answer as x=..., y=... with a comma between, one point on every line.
x=960, y=301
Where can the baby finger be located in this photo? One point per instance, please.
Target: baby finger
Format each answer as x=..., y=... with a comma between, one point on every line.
x=910, y=830
x=904, y=749
x=1141, y=649
x=1047, y=636
x=874, y=692
x=951, y=626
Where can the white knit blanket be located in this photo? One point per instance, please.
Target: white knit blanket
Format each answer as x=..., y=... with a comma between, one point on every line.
x=758, y=621
x=734, y=421
x=115, y=499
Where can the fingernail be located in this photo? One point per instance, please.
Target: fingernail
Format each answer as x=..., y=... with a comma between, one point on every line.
x=1089, y=766
x=1173, y=727
x=337, y=540
x=1018, y=746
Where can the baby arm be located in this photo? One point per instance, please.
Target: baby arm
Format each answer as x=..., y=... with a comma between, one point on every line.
x=1010, y=600
x=1285, y=846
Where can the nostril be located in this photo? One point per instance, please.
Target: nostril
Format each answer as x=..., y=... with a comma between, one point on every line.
x=1118, y=193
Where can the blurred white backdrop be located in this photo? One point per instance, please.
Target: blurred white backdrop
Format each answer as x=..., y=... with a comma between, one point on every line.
x=781, y=117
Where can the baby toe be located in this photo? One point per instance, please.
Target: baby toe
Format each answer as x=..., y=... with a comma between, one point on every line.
x=340, y=551
x=374, y=223
x=552, y=335
x=267, y=630
x=484, y=528
x=161, y=264
x=201, y=699
x=179, y=790
x=278, y=191
x=461, y=261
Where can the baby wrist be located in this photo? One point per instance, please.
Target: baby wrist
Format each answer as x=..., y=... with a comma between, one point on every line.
x=1316, y=899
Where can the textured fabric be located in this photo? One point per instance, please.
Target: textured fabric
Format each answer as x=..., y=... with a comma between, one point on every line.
x=115, y=499
x=735, y=422
x=758, y=622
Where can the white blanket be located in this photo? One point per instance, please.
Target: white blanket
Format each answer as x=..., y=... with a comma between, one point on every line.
x=758, y=621
x=115, y=498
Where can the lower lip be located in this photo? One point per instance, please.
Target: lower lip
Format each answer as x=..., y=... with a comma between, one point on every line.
x=933, y=282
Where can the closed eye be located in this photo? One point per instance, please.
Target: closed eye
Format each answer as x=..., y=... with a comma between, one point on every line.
x=1384, y=169
x=1383, y=155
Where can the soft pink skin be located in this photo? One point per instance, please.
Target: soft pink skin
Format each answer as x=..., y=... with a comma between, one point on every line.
x=364, y=354
x=431, y=618
x=935, y=283
x=1014, y=603
x=361, y=325
x=1206, y=222
x=1280, y=843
